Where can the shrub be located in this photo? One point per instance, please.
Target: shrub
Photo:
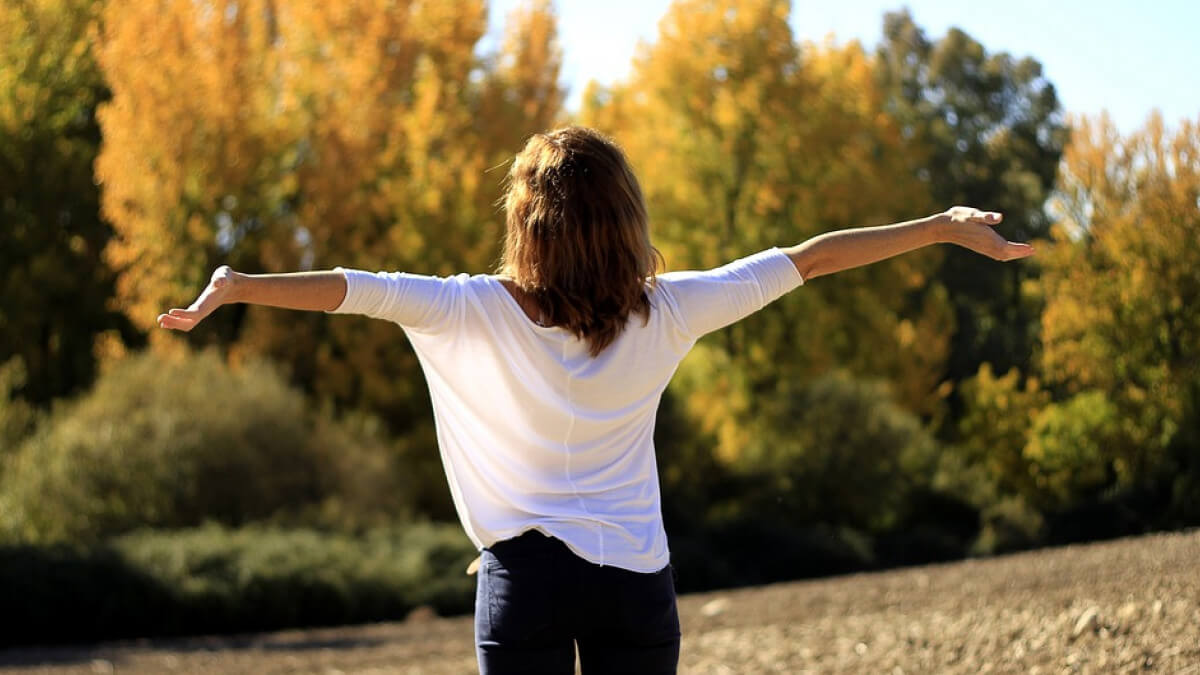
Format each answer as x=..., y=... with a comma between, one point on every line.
x=218, y=580
x=17, y=417
x=178, y=442
x=838, y=451
x=1010, y=524
x=1069, y=448
x=829, y=476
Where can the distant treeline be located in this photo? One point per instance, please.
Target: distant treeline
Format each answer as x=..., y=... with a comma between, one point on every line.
x=934, y=406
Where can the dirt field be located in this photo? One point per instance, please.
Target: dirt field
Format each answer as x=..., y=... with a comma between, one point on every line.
x=1116, y=607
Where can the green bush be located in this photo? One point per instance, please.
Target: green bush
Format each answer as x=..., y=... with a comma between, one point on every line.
x=832, y=476
x=1069, y=448
x=1010, y=524
x=17, y=417
x=177, y=442
x=217, y=580
x=838, y=451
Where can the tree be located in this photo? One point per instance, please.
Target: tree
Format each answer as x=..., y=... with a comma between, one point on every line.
x=281, y=136
x=54, y=287
x=1115, y=408
x=522, y=93
x=985, y=129
x=1122, y=291
x=999, y=414
x=744, y=141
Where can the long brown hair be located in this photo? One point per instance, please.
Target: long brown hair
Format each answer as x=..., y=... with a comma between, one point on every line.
x=578, y=238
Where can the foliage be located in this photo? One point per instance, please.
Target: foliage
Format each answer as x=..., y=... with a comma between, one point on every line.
x=848, y=455
x=984, y=129
x=998, y=415
x=744, y=141
x=1010, y=524
x=54, y=287
x=1123, y=295
x=215, y=580
x=845, y=483
x=1107, y=433
x=17, y=417
x=1069, y=448
x=1024, y=453
x=176, y=442
x=276, y=137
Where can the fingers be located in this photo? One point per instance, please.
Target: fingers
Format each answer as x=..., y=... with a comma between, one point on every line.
x=212, y=297
x=968, y=214
x=983, y=239
x=985, y=217
x=181, y=319
x=1015, y=250
x=1008, y=250
x=173, y=321
x=989, y=217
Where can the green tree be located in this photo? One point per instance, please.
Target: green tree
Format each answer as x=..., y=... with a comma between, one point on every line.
x=999, y=413
x=852, y=457
x=54, y=288
x=985, y=129
x=1069, y=447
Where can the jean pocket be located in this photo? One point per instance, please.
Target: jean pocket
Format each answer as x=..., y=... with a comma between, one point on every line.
x=649, y=608
x=519, y=601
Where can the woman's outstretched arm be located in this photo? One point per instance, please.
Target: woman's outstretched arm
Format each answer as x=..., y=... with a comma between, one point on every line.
x=968, y=227
x=315, y=291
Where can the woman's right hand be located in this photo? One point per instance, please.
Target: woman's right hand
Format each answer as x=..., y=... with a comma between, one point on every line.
x=218, y=292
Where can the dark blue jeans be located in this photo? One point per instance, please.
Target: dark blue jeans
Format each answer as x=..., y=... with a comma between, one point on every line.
x=536, y=601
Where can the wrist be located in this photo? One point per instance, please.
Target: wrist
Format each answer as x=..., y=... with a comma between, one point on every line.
x=938, y=227
x=236, y=286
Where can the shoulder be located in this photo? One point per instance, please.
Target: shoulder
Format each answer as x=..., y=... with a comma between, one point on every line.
x=486, y=290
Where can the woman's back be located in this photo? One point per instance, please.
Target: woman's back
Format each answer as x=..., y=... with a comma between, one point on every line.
x=535, y=431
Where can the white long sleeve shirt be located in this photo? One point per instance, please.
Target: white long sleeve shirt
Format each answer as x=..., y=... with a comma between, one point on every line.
x=536, y=434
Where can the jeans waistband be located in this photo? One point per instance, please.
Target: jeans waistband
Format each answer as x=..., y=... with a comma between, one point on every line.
x=528, y=541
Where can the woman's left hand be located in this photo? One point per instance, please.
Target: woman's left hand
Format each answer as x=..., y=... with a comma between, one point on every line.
x=975, y=229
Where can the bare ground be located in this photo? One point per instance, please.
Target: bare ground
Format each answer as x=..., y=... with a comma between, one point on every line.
x=1116, y=607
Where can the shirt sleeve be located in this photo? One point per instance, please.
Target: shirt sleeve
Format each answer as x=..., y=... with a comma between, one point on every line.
x=421, y=303
x=705, y=301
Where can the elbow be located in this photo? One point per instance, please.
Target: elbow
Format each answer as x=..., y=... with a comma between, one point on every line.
x=808, y=263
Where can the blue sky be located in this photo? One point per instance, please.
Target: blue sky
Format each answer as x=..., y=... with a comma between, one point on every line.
x=1124, y=56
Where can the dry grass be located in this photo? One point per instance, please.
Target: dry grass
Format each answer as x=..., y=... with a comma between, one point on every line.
x=1116, y=607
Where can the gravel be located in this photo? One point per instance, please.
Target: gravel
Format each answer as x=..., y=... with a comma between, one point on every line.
x=1123, y=606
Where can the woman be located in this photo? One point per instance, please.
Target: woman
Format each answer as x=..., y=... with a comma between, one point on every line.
x=545, y=380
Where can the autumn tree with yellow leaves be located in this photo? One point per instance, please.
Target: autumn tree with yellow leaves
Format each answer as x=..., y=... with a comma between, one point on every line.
x=278, y=136
x=745, y=140
x=1121, y=327
x=1113, y=407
